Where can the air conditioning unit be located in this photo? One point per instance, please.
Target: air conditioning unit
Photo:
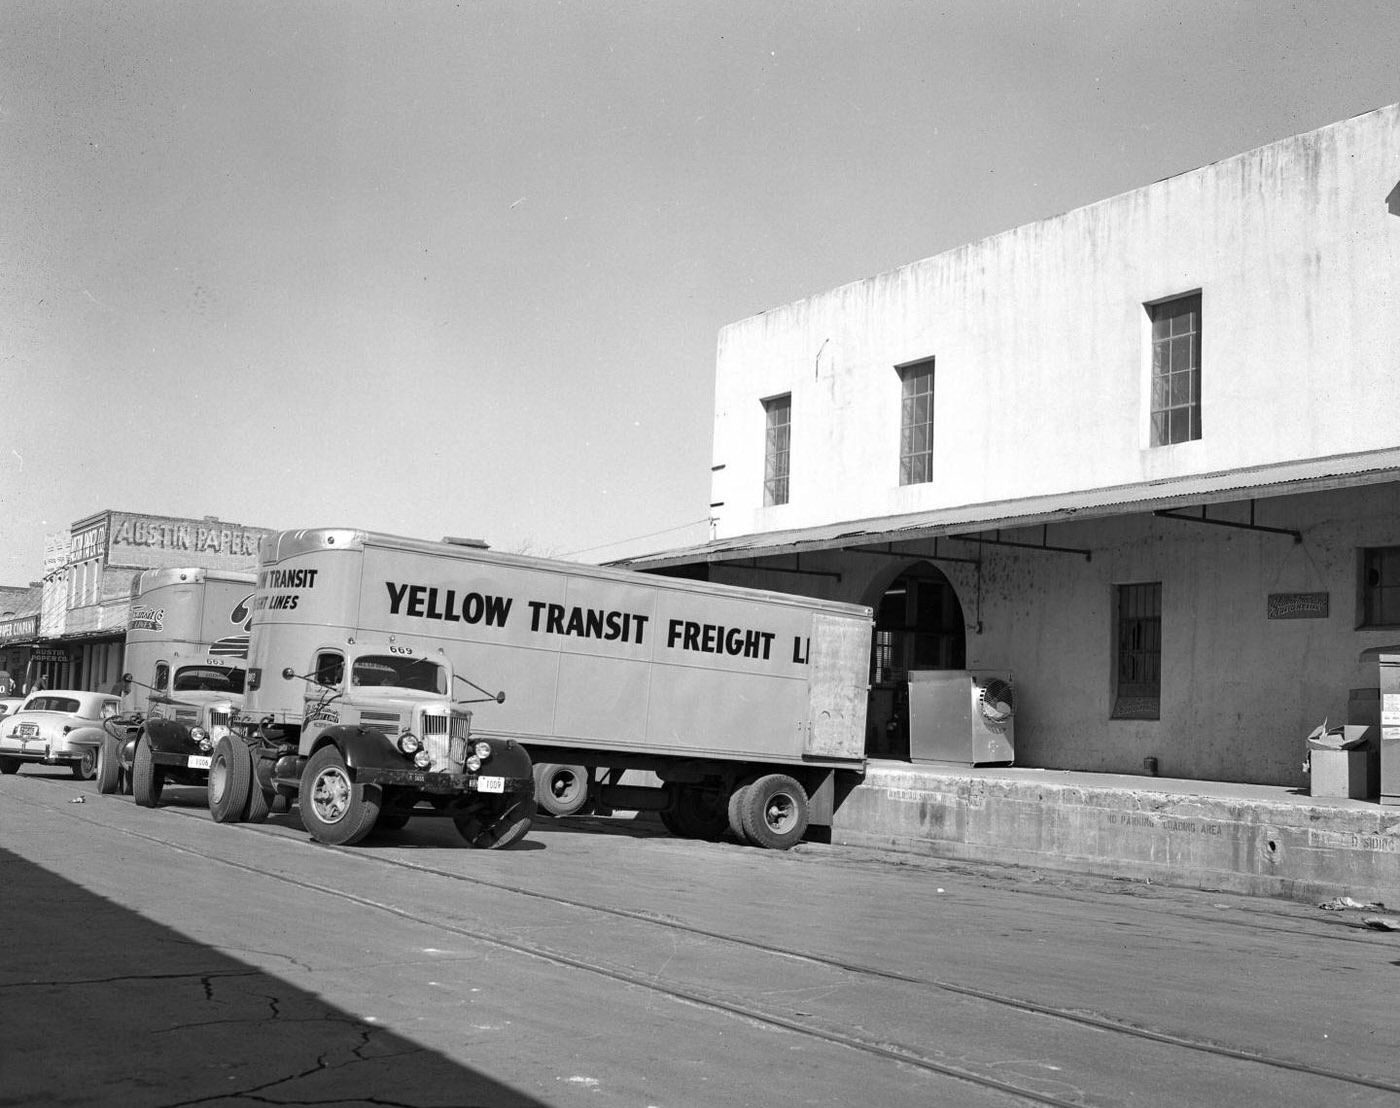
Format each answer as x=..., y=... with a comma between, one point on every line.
x=962, y=716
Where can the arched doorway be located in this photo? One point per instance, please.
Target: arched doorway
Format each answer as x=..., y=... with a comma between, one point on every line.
x=918, y=625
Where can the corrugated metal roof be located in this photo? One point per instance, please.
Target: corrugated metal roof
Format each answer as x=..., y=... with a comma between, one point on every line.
x=1251, y=483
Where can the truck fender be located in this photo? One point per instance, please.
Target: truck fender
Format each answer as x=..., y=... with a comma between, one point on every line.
x=362, y=748
x=509, y=759
x=168, y=736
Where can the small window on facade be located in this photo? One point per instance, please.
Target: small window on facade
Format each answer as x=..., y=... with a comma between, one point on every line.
x=162, y=677
x=1176, y=370
x=1138, y=652
x=916, y=424
x=1380, y=586
x=776, y=449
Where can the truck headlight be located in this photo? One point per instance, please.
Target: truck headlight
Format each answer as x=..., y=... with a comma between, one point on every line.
x=199, y=735
x=473, y=763
x=409, y=743
x=482, y=749
x=423, y=759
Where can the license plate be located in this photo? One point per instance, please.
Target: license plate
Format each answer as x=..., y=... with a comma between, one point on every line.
x=197, y=761
x=27, y=730
x=490, y=784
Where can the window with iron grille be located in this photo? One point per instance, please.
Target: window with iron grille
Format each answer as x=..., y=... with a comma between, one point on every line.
x=776, y=449
x=1176, y=370
x=1138, y=652
x=916, y=423
x=1380, y=586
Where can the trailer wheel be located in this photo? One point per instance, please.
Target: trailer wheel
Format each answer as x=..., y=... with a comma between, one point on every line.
x=774, y=812
x=279, y=804
x=502, y=825
x=334, y=809
x=561, y=790
x=696, y=813
x=85, y=768
x=259, y=803
x=147, y=778
x=230, y=781
x=109, y=768
x=735, y=811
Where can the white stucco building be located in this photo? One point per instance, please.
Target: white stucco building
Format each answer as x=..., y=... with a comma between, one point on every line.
x=1144, y=455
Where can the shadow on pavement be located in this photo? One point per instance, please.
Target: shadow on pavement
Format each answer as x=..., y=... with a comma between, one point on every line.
x=99, y=1005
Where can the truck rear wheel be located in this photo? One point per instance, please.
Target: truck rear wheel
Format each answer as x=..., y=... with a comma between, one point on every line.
x=561, y=790
x=334, y=809
x=735, y=811
x=500, y=826
x=774, y=811
x=230, y=781
x=109, y=767
x=147, y=778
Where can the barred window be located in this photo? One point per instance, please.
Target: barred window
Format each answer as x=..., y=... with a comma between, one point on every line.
x=1138, y=661
x=1176, y=370
x=776, y=449
x=916, y=423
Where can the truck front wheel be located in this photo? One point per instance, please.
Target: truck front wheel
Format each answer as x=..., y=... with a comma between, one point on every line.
x=334, y=809
x=230, y=780
x=504, y=823
x=774, y=811
x=147, y=778
x=109, y=767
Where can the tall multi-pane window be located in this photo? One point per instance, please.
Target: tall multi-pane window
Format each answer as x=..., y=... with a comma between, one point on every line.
x=1176, y=370
x=916, y=423
x=1380, y=586
x=777, y=445
x=1138, y=653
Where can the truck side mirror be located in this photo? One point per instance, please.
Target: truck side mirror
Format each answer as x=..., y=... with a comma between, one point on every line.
x=288, y=673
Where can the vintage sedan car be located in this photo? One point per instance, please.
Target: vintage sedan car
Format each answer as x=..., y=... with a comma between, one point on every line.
x=56, y=726
x=9, y=704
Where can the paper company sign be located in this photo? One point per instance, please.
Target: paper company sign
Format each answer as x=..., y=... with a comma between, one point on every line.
x=207, y=537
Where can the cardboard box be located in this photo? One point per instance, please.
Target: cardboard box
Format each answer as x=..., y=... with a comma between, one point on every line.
x=1340, y=773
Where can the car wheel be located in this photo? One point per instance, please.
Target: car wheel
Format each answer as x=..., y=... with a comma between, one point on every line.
x=9, y=765
x=334, y=809
x=85, y=768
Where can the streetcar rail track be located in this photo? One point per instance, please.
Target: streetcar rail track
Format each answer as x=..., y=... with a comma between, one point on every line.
x=901, y=1053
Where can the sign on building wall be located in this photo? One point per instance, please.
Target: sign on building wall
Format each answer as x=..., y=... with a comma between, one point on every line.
x=25, y=627
x=1298, y=605
x=162, y=541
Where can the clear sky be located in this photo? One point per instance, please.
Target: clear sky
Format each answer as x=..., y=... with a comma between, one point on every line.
x=458, y=268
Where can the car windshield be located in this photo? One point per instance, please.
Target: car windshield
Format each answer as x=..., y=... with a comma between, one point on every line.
x=220, y=679
x=400, y=673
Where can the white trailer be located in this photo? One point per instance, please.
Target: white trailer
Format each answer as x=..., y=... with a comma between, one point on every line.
x=741, y=707
x=185, y=663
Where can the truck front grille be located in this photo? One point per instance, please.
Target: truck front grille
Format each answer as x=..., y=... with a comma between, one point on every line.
x=445, y=740
x=219, y=719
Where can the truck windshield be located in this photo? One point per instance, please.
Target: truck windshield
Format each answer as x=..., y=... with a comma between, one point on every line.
x=419, y=674
x=220, y=679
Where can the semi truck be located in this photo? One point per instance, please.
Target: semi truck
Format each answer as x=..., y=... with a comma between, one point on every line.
x=714, y=706
x=185, y=669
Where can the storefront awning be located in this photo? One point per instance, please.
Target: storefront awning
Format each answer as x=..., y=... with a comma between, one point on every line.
x=1253, y=483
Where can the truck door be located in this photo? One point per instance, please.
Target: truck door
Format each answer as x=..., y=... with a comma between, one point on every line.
x=837, y=686
x=327, y=681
